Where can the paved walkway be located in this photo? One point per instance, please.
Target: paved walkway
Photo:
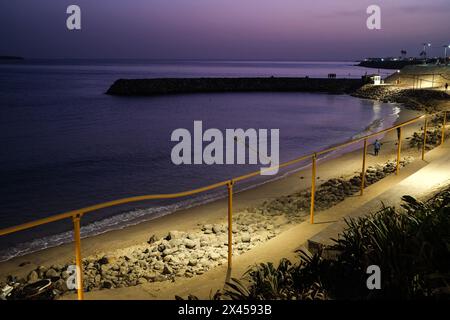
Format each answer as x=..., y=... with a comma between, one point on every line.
x=417, y=179
x=430, y=179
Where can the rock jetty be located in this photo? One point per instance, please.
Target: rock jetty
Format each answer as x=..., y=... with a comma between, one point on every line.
x=415, y=99
x=149, y=87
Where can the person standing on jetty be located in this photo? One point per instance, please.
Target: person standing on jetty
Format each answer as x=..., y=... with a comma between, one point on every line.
x=376, y=147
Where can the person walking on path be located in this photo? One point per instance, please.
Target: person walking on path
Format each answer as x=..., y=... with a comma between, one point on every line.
x=376, y=147
x=446, y=86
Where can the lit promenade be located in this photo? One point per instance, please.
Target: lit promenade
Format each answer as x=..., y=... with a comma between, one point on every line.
x=417, y=179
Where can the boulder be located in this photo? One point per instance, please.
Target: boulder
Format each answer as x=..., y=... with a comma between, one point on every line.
x=174, y=235
x=159, y=265
x=207, y=227
x=150, y=276
x=142, y=280
x=57, y=267
x=192, y=236
x=61, y=285
x=41, y=271
x=153, y=239
x=103, y=260
x=65, y=275
x=160, y=278
x=217, y=228
x=175, y=260
x=51, y=273
x=214, y=256
x=33, y=276
x=246, y=238
x=190, y=244
x=204, y=244
x=169, y=251
x=176, y=242
x=123, y=270
x=167, y=270
x=107, y=284
x=192, y=262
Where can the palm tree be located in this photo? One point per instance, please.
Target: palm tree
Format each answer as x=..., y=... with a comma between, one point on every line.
x=403, y=53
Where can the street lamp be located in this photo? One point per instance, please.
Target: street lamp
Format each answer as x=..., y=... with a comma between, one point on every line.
x=445, y=51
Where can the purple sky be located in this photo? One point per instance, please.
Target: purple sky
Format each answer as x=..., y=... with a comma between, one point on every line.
x=222, y=29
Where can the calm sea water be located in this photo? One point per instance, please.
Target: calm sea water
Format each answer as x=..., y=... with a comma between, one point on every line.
x=66, y=145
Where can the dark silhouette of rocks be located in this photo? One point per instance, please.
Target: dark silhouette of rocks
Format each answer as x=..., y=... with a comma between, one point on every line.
x=11, y=58
x=149, y=87
x=388, y=64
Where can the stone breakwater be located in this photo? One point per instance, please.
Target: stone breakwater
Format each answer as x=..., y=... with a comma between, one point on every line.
x=428, y=101
x=414, y=99
x=149, y=87
x=187, y=254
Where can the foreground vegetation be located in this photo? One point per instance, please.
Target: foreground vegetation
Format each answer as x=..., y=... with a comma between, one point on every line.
x=411, y=245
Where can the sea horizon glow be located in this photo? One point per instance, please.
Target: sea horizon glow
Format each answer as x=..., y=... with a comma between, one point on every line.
x=222, y=30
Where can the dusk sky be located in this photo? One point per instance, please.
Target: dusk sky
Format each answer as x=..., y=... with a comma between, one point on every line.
x=222, y=29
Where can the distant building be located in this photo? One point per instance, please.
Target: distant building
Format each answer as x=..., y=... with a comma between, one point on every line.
x=374, y=79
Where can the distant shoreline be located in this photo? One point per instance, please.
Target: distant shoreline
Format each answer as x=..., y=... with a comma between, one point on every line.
x=388, y=64
x=11, y=58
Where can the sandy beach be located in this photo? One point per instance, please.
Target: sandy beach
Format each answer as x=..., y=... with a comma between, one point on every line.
x=203, y=228
x=187, y=220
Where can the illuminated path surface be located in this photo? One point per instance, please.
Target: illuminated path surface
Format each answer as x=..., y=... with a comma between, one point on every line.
x=430, y=179
x=417, y=179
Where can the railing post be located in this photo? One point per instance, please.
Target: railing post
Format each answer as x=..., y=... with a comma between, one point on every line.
x=230, y=223
x=78, y=262
x=424, y=137
x=399, y=149
x=443, y=127
x=363, y=172
x=313, y=187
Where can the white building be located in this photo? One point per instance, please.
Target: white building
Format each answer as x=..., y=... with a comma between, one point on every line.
x=376, y=80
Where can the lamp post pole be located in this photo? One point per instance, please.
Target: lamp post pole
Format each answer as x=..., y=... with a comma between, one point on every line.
x=445, y=52
x=425, y=45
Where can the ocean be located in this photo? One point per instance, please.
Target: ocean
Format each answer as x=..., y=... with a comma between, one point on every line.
x=65, y=144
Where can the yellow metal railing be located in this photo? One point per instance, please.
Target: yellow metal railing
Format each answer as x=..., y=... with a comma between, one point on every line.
x=76, y=215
